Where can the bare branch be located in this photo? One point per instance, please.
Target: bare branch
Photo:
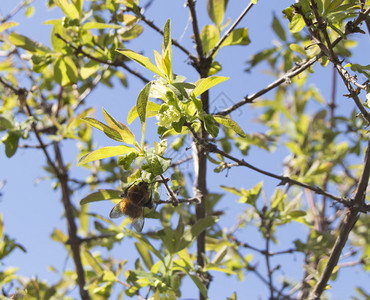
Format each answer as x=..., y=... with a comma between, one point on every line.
x=299, y=68
x=160, y=31
x=228, y=32
x=350, y=218
x=79, y=50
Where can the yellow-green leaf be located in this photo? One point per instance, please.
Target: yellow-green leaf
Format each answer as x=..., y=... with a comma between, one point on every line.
x=110, y=132
x=101, y=195
x=7, y=25
x=97, y=25
x=94, y=264
x=296, y=24
x=68, y=8
x=65, y=71
x=237, y=37
x=151, y=111
x=28, y=44
x=141, y=107
x=142, y=60
x=216, y=10
x=105, y=152
x=298, y=49
x=125, y=133
x=205, y=84
x=229, y=123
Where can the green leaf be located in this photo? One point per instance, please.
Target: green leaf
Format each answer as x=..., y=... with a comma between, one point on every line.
x=68, y=8
x=5, y=123
x=104, y=152
x=210, y=125
x=216, y=10
x=109, y=132
x=142, y=60
x=151, y=110
x=279, y=30
x=237, y=37
x=156, y=163
x=231, y=190
x=94, y=264
x=7, y=25
x=88, y=69
x=298, y=49
x=101, y=195
x=197, y=282
x=167, y=34
x=209, y=37
x=132, y=33
x=141, y=107
x=202, y=225
x=205, y=84
x=145, y=255
x=229, y=123
x=97, y=25
x=10, y=140
x=147, y=244
x=295, y=214
x=296, y=24
x=56, y=42
x=125, y=133
x=167, y=55
x=250, y=196
x=65, y=71
x=332, y=6
x=28, y=44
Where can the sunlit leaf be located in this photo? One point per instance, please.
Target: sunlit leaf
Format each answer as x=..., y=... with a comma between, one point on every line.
x=28, y=44
x=97, y=25
x=296, y=24
x=110, y=132
x=68, y=8
x=101, y=195
x=229, y=123
x=7, y=25
x=125, y=133
x=205, y=84
x=142, y=60
x=104, y=152
x=237, y=37
x=216, y=10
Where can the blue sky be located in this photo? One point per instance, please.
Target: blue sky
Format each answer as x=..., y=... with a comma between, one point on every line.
x=32, y=210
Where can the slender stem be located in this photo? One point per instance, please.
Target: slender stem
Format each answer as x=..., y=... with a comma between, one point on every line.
x=72, y=228
x=228, y=32
x=290, y=74
x=60, y=172
x=174, y=42
x=349, y=220
x=194, y=22
x=79, y=50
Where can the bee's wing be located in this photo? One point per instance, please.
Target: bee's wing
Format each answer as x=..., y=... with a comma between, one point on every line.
x=116, y=211
x=138, y=224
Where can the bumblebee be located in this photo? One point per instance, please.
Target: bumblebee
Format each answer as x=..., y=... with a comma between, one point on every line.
x=135, y=198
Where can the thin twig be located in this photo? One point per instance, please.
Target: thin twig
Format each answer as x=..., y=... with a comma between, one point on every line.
x=349, y=220
x=16, y=10
x=286, y=77
x=228, y=32
x=117, y=63
x=194, y=22
x=160, y=31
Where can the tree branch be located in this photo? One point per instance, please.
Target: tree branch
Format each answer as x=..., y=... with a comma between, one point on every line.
x=290, y=74
x=228, y=32
x=79, y=50
x=350, y=218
